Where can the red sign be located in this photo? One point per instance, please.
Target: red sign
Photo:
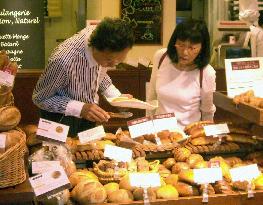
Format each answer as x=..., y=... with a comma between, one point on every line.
x=244, y=65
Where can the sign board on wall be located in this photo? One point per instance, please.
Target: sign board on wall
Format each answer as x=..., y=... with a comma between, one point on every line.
x=22, y=32
x=145, y=16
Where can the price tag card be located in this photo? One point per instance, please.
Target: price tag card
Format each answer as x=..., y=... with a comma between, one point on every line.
x=243, y=74
x=166, y=121
x=140, y=126
x=50, y=182
x=44, y=166
x=145, y=179
x=91, y=134
x=6, y=79
x=207, y=175
x=245, y=173
x=118, y=154
x=217, y=129
x=52, y=130
x=2, y=140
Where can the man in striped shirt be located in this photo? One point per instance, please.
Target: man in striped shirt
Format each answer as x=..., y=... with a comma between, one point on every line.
x=67, y=90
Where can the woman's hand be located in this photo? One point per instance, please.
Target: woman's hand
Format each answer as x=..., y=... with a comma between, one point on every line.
x=94, y=113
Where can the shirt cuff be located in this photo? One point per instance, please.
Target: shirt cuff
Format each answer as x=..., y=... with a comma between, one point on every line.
x=111, y=92
x=74, y=108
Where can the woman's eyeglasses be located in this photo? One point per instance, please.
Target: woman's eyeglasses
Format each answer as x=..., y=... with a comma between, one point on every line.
x=192, y=49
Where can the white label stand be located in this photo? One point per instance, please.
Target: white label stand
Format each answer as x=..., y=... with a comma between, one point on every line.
x=205, y=194
x=146, y=199
x=250, y=192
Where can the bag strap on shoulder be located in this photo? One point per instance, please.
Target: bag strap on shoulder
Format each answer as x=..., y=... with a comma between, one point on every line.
x=161, y=59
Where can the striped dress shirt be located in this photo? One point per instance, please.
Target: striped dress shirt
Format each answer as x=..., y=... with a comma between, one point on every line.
x=72, y=77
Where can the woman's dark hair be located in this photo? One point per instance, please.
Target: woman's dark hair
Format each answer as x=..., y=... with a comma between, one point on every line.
x=112, y=34
x=194, y=31
x=260, y=18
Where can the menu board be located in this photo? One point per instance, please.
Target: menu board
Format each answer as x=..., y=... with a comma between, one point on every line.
x=243, y=74
x=145, y=16
x=22, y=32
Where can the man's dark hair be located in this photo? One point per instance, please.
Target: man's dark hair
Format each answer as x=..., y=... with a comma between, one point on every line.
x=112, y=34
x=194, y=31
x=260, y=18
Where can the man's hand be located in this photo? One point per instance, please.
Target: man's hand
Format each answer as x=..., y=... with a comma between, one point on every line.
x=127, y=95
x=94, y=113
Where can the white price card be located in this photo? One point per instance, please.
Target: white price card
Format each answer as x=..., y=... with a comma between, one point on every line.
x=243, y=74
x=6, y=79
x=207, y=175
x=2, y=140
x=145, y=179
x=52, y=130
x=50, y=182
x=44, y=166
x=95, y=133
x=245, y=173
x=140, y=126
x=166, y=121
x=217, y=129
x=118, y=154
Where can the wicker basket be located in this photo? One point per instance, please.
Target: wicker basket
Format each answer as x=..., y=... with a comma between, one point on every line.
x=12, y=167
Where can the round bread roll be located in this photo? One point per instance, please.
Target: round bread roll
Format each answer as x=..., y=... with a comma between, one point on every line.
x=167, y=192
x=79, y=176
x=29, y=129
x=138, y=194
x=111, y=187
x=171, y=179
x=9, y=118
x=200, y=165
x=181, y=154
x=169, y=163
x=125, y=183
x=259, y=182
x=186, y=189
x=110, y=136
x=210, y=189
x=88, y=192
x=193, y=159
x=179, y=166
x=187, y=176
x=120, y=196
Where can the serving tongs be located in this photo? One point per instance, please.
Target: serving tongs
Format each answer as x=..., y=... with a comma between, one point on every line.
x=120, y=114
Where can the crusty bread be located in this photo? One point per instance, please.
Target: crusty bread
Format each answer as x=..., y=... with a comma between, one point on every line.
x=9, y=117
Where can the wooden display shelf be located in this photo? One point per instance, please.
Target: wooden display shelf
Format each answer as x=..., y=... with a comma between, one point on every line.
x=218, y=199
x=19, y=194
x=248, y=112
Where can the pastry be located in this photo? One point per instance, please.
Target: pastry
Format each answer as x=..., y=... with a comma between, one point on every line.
x=181, y=154
x=186, y=189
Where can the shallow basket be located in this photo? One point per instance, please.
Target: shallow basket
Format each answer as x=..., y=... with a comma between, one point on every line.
x=12, y=167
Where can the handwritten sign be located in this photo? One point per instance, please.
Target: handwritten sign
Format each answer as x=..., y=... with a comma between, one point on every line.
x=243, y=74
x=22, y=32
x=207, y=175
x=214, y=130
x=243, y=173
x=145, y=179
x=95, y=133
x=118, y=154
x=146, y=18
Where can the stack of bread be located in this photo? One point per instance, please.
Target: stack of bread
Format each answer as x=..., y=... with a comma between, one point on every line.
x=12, y=148
x=249, y=98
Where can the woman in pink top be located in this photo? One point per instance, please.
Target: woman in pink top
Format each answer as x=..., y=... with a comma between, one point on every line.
x=182, y=80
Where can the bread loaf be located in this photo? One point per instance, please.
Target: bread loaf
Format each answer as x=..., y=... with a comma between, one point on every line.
x=186, y=189
x=87, y=192
x=120, y=196
x=9, y=117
